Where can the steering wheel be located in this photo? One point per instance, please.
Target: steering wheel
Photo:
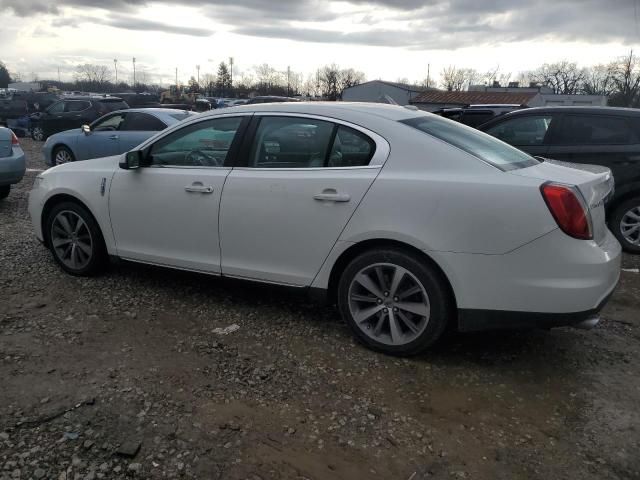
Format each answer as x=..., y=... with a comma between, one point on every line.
x=198, y=157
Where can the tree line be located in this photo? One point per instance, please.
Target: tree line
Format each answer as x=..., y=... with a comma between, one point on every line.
x=618, y=79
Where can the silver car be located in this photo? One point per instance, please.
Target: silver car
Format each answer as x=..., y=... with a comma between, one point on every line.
x=12, y=163
x=114, y=133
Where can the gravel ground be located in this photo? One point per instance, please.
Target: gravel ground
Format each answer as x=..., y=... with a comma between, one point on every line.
x=131, y=374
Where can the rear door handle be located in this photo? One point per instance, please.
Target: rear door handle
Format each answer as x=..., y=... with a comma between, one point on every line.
x=331, y=195
x=113, y=137
x=195, y=188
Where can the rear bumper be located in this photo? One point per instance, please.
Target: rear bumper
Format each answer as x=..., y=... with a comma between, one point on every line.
x=13, y=168
x=470, y=320
x=553, y=281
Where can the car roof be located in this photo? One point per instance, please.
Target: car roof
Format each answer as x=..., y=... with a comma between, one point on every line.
x=157, y=112
x=338, y=109
x=574, y=109
x=91, y=97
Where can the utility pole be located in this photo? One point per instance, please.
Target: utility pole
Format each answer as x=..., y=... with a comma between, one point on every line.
x=288, y=81
x=198, y=69
x=134, y=73
x=231, y=73
x=115, y=65
x=176, y=77
x=428, y=73
x=59, y=75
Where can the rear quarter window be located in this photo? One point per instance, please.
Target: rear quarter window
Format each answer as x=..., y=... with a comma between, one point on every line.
x=112, y=105
x=480, y=145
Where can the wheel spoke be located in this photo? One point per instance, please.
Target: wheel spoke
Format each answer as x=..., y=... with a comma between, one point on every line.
x=398, y=275
x=414, y=307
x=378, y=328
x=410, y=325
x=380, y=276
x=366, y=313
x=363, y=298
x=367, y=283
x=74, y=255
x=410, y=291
x=632, y=214
x=59, y=242
x=64, y=221
x=394, y=329
x=84, y=247
x=79, y=225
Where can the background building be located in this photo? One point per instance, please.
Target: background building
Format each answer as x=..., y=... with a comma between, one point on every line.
x=379, y=91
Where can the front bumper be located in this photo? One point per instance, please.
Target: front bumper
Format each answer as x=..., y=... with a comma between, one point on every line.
x=12, y=168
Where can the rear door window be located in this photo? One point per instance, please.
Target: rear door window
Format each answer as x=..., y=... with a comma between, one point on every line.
x=530, y=130
x=594, y=130
x=56, y=108
x=142, y=122
x=76, y=105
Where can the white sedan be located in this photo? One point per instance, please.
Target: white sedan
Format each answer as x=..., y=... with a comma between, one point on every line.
x=410, y=222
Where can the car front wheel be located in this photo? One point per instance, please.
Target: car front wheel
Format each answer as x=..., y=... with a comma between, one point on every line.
x=4, y=191
x=62, y=155
x=75, y=239
x=394, y=301
x=625, y=224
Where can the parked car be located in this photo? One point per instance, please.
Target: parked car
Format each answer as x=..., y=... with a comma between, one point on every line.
x=270, y=99
x=112, y=134
x=409, y=221
x=475, y=115
x=12, y=162
x=72, y=112
x=37, y=101
x=11, y=109
x=604, y=136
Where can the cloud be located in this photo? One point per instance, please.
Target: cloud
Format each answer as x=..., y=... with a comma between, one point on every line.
x=414, y=24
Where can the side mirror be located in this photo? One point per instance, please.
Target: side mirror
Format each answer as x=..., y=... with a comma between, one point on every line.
x=132, y=160
x=86, y=129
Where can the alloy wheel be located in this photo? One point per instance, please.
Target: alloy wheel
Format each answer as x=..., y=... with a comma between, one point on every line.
x=630, y=226
x=71, y=240
x=389, y=304
x=37, y=134
x=62, y=156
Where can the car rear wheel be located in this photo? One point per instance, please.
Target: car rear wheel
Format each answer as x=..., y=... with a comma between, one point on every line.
x=37, y=134
x=75, y=239
x=625, y=224
x=4, y=191
x=62, y=155
x=394, y=301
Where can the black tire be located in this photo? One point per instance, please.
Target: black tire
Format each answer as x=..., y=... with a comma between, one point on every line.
x=37, y=134
x=97, y=260
x=441, y=305
x=61, y=150
x=616, y=228
x=4, y=191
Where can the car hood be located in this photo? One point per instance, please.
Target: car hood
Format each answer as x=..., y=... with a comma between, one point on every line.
x=94, y=165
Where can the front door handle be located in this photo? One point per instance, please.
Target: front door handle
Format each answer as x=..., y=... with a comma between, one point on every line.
x=331, y=195
x=198, y=188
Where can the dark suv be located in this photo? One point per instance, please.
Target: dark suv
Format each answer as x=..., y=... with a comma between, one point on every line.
x=588, y=135
x=474, y=115
x=73, y=112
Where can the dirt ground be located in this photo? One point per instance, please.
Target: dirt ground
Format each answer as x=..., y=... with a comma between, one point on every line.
x=132, y=375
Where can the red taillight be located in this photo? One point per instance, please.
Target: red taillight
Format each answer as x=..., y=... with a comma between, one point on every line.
x=14, y=139
x=568, y=209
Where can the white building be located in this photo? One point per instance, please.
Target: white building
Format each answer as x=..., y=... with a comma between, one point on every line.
x=380, y=91
x=25, y=86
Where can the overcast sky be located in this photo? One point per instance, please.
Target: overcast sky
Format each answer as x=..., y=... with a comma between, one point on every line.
x=387, y=39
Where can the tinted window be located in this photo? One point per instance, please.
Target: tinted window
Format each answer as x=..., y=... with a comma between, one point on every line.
x=143, y=122
x=181, y=116
x=76, y=106
x=473, y=119
x=350, y=148
x=56, y=108
x=289, y=142
x=204, y=144
x=593, y=130
x=112, y=122
x=478, y=144
x=522, y=131
x=111, y=105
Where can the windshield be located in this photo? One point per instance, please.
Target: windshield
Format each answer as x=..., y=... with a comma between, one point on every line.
x=483, y=146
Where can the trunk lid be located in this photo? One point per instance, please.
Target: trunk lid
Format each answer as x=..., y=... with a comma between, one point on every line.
x=594, y=182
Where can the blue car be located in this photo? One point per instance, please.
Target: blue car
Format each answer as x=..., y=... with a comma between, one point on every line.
x=114, y=133
x=12, y=162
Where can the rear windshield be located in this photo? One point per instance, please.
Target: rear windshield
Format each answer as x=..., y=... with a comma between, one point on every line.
x=111, y=105
x=483, y=146
x=181, y=116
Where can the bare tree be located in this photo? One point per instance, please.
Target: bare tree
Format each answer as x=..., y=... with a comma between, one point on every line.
x=456, y=79
x=563, y=77
x=349, y=77
x=626, y=78
x=495, y=75
x=599, y=80
x=93, y=74
x=330, y=81
x=266, y=76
